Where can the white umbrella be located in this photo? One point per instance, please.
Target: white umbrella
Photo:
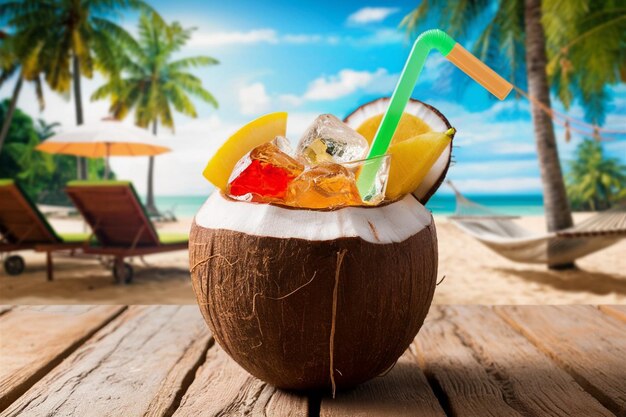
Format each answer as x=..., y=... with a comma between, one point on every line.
x=102, y=140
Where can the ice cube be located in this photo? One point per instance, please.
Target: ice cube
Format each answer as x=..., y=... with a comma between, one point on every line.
x=263, y=175
x=377, y=171
x=327, y=185
x=283, y=144
x=328, y=139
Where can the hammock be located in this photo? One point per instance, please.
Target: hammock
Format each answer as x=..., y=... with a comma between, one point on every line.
x=505, y=237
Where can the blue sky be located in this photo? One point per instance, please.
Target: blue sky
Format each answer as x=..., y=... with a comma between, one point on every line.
x=317, y=57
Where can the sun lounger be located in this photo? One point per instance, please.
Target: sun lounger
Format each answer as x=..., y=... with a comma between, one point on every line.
x=23, y=227
x=120, y=223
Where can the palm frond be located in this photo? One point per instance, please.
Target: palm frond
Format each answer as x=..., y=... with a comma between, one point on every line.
x=150, y=82
x=192, y=62
x=200, y=92
x=27, y=12
x=180, y=100
x=586, y=51
x=57, y=65
x=116, y=35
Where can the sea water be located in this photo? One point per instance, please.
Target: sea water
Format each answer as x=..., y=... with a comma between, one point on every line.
x=440, y=204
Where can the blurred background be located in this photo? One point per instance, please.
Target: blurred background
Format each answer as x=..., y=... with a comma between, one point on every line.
x=192, y=72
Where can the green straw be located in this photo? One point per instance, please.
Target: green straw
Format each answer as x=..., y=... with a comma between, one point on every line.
x=427, y=41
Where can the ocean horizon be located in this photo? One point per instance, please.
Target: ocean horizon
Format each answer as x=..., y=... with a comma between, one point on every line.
x=439, y=204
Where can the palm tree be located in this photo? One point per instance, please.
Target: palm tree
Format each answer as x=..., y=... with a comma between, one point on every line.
x=12, y=62
x=45, y=130
x=519, y=38
x=595, y=181
x=69, y=38
x=35, y=166
x=152, y=82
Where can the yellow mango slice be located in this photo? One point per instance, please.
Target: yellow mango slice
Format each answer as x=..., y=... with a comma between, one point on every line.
x=411, y=159
x=253, y=134
x=408, y=127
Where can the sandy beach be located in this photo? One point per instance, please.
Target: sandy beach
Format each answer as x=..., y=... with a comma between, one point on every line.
x=473, y=275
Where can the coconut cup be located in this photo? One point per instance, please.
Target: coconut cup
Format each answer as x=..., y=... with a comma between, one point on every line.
x=311, y=299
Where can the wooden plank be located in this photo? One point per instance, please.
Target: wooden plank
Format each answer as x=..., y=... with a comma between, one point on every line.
x=222, y=388
x=463, y=383
x=36, y=339
x=590, y=345
x=617, y=311
x=404, y=391
x=483, y=367
x=140, y=364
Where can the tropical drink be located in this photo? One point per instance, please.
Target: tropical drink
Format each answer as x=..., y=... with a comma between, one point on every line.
x=316, y=268
x=303, y=280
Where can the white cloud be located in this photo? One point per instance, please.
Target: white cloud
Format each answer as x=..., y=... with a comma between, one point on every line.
x=380, y=37
x=290, y=100
x=302, y=38
x=510, y=148
x=498, y=185
x=203, y=39
x=490, y=169
x=371, y=15
x=253, y=99
x=347, y=81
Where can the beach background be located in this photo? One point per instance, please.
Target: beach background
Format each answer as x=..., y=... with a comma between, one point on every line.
x=443, y=203
x=242, y=59
x=469, y=274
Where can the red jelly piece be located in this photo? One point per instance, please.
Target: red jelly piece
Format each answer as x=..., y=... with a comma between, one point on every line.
x=262, y=180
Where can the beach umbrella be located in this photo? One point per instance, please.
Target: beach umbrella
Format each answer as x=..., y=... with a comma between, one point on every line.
x=103, y=139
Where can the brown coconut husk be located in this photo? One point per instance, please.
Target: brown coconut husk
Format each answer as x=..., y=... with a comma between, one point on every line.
x=305, y=314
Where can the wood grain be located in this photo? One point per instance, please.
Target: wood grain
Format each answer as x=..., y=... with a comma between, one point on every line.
x=137, y=365
x=590, y=345
x=486, y=368
x=455, y=370
x=36, y=339
x=617, y=311
x=223, y=388
x=161, y=361
x=403, y=391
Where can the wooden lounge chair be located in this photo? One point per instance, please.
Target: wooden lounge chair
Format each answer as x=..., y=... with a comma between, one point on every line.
x=120, y=223
x=24, y=227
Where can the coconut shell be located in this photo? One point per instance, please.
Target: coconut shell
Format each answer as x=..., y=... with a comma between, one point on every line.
x=437, y=122
x=304, y=313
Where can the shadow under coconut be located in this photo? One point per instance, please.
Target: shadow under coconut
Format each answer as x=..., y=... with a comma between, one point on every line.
x=403, y=384
x=574, y=280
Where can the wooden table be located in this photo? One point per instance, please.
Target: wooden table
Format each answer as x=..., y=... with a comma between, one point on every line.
x=162, y=361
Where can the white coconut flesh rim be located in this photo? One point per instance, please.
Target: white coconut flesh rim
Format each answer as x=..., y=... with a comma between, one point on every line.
x=385, y=224
x=433, y=119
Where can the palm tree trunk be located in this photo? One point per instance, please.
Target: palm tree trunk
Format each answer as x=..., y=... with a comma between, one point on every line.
x=8, y=117
x=558, y=215
x=81, y=163
x=150, y=206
